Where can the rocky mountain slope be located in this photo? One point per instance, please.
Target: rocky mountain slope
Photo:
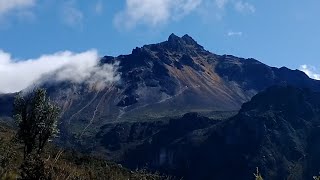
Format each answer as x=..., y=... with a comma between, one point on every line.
x=159, y=81
x=277, y=131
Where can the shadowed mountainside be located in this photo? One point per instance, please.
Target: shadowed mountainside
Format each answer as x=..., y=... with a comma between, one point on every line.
x=277, y=131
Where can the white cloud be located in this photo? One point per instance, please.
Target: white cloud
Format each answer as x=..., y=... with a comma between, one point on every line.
x=98, y=8
x=156, y=12
x=221, y=3
x=20, y=9
x=244, y=7
x=7, y=6
x=153, y=12
x=71, y=16
x=311, y=71
x=185, y=6
x=232, y=33
x=16, y=75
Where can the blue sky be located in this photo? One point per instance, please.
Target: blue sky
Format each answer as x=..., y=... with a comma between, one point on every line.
x=278, y=33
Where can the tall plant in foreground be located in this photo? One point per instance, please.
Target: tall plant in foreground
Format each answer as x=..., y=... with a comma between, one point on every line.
x=257, y=175
x=37, y=119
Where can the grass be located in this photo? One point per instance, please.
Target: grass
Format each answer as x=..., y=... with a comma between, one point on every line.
x=64, y=164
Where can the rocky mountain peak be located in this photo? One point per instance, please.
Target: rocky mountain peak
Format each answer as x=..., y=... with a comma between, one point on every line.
x=183, y=44
x=190, y=41
x=175, y=43
x=174, y=38
x=185, y=39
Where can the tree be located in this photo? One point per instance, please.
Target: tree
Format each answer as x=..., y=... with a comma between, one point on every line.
x=37, y=119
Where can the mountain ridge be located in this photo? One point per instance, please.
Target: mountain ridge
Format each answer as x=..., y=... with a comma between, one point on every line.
x=163, y=80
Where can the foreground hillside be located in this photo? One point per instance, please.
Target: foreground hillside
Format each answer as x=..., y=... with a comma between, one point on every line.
x=64, y=164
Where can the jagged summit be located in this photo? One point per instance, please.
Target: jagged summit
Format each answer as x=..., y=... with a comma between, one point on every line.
x=190, y=41
x=185, y=38
x=173, y=38
x=176, y=51
x=174, y=43
x=182, y=43
x=185, y=44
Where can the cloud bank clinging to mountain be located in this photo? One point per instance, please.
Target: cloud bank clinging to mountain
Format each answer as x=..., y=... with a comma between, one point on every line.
x=16, y=75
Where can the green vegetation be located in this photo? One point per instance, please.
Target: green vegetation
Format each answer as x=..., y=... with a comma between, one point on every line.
x=26, y=154
x=316, y=177
x=37, y=118
x=257, y=175
x=62, y=164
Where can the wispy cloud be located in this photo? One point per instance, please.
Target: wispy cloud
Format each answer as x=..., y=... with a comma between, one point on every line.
x=153, y=12
x=16, y=75
x=221, y=3
x=158, y=12
x=98, y=8
x=7, y=6
x=232, y=33
x=20, y=9
x=71, y=15
x=311, y=71
x=244, y=7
